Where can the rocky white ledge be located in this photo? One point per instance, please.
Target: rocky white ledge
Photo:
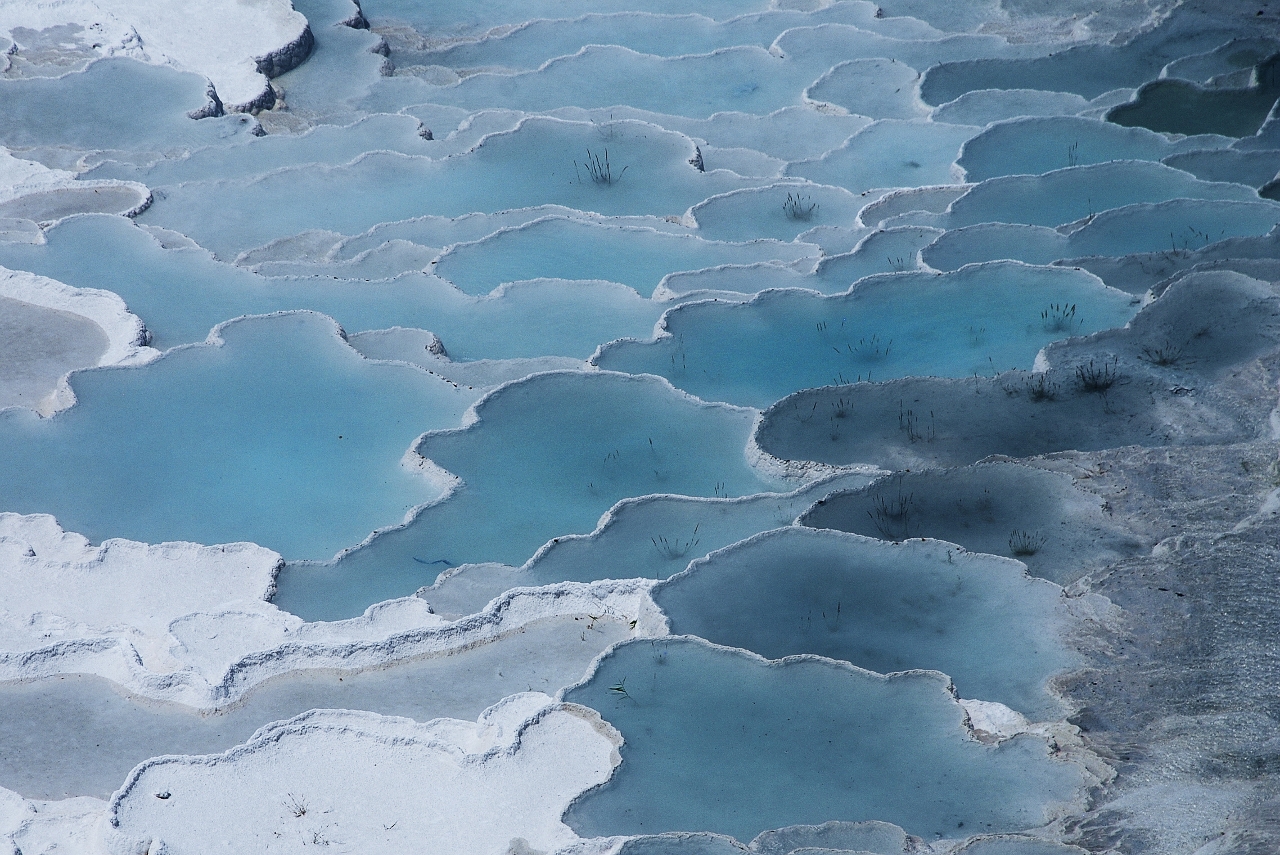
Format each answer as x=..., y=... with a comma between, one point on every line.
x=33, y=191
x=19, y=177
x=236, y=44
x=59, y=589
x=68, y=825
x=190, y=624
x=375, y=783
x=126, y=337
x=355, y=780
x=126, y=334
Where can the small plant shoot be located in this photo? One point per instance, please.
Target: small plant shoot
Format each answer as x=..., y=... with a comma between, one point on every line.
x=799, y=207
x=871, y=349
x=1023, y=544
x=1098, y=377
x=1163, y=355
x=599, y=169
x=1060, y=318
x=1040, y=388
x=675, y=548
x=892, y=516
x=296, y=806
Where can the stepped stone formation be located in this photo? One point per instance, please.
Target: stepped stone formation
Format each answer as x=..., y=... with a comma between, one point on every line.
x=684, y=427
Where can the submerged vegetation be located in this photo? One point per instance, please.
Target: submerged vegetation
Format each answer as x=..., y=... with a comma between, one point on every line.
x=872, y=348
x=599, y=169
x=1060, y=318
x=675, y=548
x=893, y=516
x=909, y=423
x=799, y=207
x=1024, y=544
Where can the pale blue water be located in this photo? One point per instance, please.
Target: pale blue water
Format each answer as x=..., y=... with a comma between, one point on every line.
x=749, y=79
x=537, y=41
x=993, y=105
x=563, y=248
x=547, y=457
x=95, y=111
x=1067, y=195
x=1251, y=168
x=284, y=436
x=896, y=325
x=982, y=243
x=737, y=278
x=1185, y=223
x=531, y=165
x=1088, y=70
x=700, y=78
x=791, y=133
x=1177, y=226
x=341, y=70
x=782, y=211
x=456, y=17
x=891, y=250
x=183, y=293
x=657, y=536
x=324, y=144
x=822, y=46
x=877, y=88
x=890, y=153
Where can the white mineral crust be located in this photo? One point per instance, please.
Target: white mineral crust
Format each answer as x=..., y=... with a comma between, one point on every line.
x=220, y=39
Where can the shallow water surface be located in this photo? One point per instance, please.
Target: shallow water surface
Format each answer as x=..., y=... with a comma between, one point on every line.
x=706, y=727
x=284, y=435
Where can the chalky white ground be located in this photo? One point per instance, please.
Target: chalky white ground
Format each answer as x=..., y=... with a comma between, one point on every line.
x=219, y=39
